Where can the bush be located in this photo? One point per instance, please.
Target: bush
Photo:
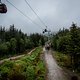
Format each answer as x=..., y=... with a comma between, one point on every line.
x=4, y=71
x=16, y=76
x=3, y=49
x=62, y=59
x=8, y=64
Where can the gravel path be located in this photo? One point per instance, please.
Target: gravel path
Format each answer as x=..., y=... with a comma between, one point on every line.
x=54, y=71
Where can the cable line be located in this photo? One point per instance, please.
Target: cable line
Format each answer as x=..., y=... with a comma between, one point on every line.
x=35, y=13
x=24, y=14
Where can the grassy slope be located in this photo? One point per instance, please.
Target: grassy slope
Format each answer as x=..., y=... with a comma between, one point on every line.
x=30, y=67
x=62, y=59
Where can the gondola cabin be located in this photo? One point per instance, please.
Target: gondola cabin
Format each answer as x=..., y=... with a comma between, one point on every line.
x=45, y=30
x=3, y=8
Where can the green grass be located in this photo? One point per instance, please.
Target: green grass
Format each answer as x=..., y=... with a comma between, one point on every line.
x=62, y=59
x=29, y=67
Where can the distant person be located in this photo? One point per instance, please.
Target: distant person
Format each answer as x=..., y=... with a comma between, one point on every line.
x=47, y=46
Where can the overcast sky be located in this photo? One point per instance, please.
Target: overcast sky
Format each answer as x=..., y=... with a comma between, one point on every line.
x=55, y=14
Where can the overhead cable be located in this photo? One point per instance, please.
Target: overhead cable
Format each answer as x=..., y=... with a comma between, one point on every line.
x=35, y=13
x=24, y=14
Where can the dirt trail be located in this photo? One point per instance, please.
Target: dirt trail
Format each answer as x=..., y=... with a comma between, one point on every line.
x=15, y=57
x=54, y=71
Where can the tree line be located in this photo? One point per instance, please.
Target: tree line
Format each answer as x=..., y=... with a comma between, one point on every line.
x=14, y=41
x=67, y=41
